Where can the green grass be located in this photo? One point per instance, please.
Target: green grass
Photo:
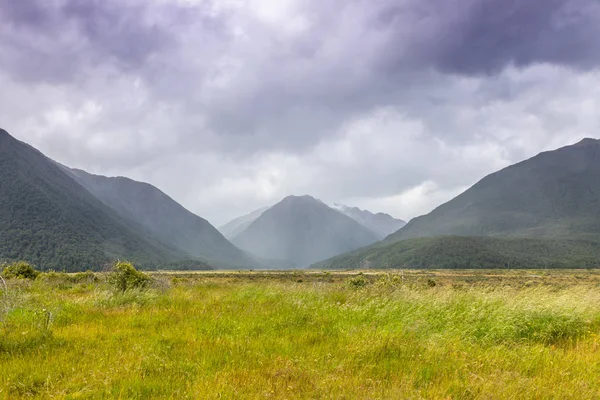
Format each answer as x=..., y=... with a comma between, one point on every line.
x=423, y=334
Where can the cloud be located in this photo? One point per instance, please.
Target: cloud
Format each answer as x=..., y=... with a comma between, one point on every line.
x=496, y=34
x=58, y=41
x=231, y=105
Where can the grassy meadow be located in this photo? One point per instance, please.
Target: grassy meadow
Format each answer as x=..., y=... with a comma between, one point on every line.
x=307, y=335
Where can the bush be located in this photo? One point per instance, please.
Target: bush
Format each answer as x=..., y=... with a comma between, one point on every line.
x=20, y=270
x=357, y=282
x=125, y=277
x=85, y=277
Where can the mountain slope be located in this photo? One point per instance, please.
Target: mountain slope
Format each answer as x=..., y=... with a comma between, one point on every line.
x=542, y=212
x=303, y=230
x=555, y=194
x=164, y=219
x=382, y=224
x=47, y=218
x=470, y=252
x=238, y=225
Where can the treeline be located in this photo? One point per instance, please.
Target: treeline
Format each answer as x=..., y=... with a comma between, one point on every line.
x=456, y=252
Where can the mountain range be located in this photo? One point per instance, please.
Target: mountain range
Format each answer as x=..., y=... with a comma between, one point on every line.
x=381, y=224
x=68, y=219
x=65, y=219
x=238, y=225
x=543, y=212
x=164, y=219
x=520, y=215
x=303, y=230
x=47, y=218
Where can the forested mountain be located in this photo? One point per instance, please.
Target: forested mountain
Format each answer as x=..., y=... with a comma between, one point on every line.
x=47, y=218
x=165, y=219
x=542, y=212
x=303, y=230
x=555, y=194
x=382, y=224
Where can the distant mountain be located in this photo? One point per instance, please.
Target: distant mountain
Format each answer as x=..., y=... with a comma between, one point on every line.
x=555, y=194
x=542, y=212
x=303, y=230
x=49, y=219
x=380, y=223
x=238, y=225
x=165, y=219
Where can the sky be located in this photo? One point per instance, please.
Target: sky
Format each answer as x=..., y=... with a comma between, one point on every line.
x=227, y=106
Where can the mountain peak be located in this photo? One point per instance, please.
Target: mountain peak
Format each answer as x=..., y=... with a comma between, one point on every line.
x=381, y=223
x=302, y=229
x=305, y=196
x=586, y=142
x=304, y=199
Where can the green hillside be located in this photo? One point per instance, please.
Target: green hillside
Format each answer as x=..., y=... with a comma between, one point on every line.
x=555, y=194
x=165, y=219
x=50, y=220
x=470, y=252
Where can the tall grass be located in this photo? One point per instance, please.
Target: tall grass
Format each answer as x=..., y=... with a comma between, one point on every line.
x=233, y=338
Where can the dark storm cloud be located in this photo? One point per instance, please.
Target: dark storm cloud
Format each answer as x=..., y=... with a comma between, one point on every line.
x=57, y=40
x=525, y=32
x=484, y=36
x=359, y=55
x=456, y=36
x=31, y=13
x=118, y=31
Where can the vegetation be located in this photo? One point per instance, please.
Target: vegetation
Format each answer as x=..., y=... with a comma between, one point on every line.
x=125, y=277
x=188, y=265
x=20, y=270
x=481, y=334
x=48, y=219
x=552, y=195
x=470, y=252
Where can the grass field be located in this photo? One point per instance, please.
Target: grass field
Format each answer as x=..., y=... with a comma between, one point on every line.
x=307, y=335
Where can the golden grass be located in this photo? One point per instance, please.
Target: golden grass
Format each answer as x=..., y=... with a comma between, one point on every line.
x=306, y=335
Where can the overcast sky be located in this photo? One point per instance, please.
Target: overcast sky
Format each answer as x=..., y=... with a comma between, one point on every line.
x=227, y=106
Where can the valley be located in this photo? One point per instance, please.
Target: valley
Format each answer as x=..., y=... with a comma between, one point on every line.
x=299, y=199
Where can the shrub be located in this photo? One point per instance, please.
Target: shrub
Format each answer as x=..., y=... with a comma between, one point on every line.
x=390, y=280
x=357, y=282
x=125, y=277
x=20, y=270
x=85, y=277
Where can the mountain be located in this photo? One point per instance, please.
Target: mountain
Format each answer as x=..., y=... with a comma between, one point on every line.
x=380, y=223
x=470, y=252
x=542, y=212
x=165, y=219
x=49, y=219
x=238, y=225
x=555, y=194
x=303, y=230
